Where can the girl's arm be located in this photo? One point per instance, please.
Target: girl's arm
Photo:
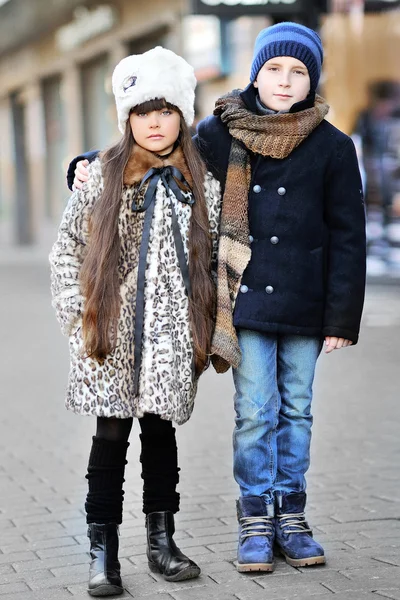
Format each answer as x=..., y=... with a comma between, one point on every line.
x=214, y=202
x=66, y=259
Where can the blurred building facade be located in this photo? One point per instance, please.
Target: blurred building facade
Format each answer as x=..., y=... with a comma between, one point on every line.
x=56, y=60
x=57, y=56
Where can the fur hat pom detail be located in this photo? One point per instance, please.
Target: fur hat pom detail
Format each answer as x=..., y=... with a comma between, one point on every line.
x=157, y=73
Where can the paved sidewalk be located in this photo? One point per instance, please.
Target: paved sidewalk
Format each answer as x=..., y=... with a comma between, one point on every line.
x=354, y=490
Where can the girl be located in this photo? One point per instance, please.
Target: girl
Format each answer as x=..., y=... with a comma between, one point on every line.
x=132, y=288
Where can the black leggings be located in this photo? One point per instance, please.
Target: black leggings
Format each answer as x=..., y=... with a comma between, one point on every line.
x=160, y=471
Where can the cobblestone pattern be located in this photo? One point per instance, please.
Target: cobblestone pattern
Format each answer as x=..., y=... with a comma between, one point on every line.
x=354, y=491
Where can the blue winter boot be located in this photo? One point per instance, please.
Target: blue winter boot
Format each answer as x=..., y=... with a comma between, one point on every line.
x=293, y=536
x=256, y=534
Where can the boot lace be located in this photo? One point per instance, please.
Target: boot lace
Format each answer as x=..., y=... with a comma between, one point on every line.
x=293, y=523
x=250, y=526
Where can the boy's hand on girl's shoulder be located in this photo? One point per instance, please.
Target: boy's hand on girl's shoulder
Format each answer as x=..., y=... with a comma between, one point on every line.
x=81, y=174
x=335, y=343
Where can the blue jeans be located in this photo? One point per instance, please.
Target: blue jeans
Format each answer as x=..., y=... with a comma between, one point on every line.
x=271, y=440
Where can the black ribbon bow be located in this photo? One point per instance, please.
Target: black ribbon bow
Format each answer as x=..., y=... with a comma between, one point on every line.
x=170, y=176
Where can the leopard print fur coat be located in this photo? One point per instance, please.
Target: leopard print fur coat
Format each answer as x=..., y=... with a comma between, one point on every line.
x=167, y=386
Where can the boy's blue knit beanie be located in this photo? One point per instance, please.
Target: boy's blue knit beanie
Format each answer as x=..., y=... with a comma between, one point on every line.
x=289, y=39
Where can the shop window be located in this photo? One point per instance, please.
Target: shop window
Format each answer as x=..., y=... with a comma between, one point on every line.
x=55, y=189
x=99, y=123
x=23, y=229
x=155, y=38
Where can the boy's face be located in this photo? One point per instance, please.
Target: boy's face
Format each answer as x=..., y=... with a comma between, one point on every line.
x=157, y=130
x=282, y=81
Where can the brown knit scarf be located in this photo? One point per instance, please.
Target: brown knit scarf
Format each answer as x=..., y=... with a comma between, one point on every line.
x=269, y=135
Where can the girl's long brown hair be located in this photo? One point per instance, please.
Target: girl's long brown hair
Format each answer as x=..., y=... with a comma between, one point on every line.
x=99, y=273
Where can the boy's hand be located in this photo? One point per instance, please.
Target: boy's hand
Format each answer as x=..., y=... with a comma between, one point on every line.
x=81, y=174
x=335, y=343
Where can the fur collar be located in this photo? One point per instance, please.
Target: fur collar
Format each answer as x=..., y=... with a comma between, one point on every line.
x=142, y=160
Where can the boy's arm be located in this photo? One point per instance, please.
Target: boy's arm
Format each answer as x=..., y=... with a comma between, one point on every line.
x=213, y=141
x=90, y=156
x=346, y=260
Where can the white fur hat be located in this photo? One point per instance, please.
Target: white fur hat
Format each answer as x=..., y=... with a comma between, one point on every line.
x=158, y=73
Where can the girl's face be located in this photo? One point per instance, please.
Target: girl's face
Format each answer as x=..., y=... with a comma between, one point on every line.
x=156, y=130
x=282, y=81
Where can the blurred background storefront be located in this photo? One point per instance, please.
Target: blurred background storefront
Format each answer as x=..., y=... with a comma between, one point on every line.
x=56, y=60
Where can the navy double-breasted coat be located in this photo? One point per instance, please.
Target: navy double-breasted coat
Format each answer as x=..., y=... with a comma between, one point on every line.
x=306, y=274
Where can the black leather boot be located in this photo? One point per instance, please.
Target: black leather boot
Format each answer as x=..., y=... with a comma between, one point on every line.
x=105, y=570
x=163, y=554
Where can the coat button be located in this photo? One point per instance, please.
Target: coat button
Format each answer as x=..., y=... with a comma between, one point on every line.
x=257, y=189
x=244, y=289
x=269, y=289
x=274, y=239
x=281, y=191
x=251, y=239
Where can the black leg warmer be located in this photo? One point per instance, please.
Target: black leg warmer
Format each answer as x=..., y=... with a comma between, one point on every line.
x=105, y=476
x=159, y=458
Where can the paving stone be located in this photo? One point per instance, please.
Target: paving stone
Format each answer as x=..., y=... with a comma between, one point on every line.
x=210, y=532
x=222, y=546
x=39, y=574
x=363, y=544
x=52, y=563
x=393, y=594
x=382, y=574
x=5, y=569
x=387, y=558
x=302, y=590
x=157, y=596
x=13, y=588
x=7, y=538
x=60, y=582
x=17, y=557
x=360, y=580
x=58, y=594
x=63, y=551
x=75, y=569
x=142, y=585
x=345, y=559
x=36, y=534
x=353, y=486
x=222, y=592
x=54, y=594
x=53, y=544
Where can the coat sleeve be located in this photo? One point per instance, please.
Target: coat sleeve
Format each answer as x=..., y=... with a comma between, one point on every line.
x=90, y=156
x=214, y=143
x=66, y=258
x=214, y=202
x=346, y=256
